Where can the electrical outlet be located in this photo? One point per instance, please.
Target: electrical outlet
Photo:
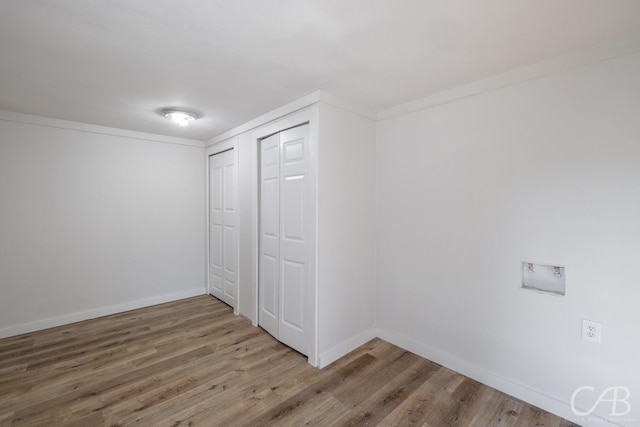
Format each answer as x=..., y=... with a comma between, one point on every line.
x=591, y=331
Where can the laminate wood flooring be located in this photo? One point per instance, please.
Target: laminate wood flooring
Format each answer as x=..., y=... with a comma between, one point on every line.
x=194, y=363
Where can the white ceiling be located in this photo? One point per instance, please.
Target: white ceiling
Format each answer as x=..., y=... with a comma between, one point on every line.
x=116, y=62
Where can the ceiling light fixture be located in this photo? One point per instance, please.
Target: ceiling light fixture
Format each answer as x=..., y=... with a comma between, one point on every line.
x=181, y=117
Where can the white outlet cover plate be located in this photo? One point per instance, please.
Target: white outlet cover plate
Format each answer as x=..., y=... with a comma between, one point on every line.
x=591, y=331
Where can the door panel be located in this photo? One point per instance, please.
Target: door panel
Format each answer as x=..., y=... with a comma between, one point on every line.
x=284, y=202
x=293, y=151
x=230, y=262
x=270, y=210
x=268, y=269
x=216, y=249
x=223, y=259
x=230, y=227
x=294, y=202
x=293, y=208
x=269, y=284
x=215, y=261
x=293, y=287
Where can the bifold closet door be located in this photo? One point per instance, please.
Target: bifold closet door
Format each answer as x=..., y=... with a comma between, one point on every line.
x=269, y=271
x=223, y=260
x=284, y=234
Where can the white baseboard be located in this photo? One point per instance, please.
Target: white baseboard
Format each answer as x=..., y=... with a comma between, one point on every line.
x=345, y=347
x=519, y=391
x=98, y=312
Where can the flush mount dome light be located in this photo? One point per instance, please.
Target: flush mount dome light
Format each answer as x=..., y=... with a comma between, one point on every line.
x=181, y=117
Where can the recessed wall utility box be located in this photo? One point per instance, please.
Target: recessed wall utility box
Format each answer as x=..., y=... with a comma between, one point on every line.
x=543, y=278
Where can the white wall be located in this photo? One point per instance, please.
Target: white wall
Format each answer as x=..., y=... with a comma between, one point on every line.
x=93, y=223
x=247, y=229
x=346, y=232
x=546, y=170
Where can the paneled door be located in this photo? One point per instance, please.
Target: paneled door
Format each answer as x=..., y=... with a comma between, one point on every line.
x=268, y=270
x=223, y=259
x=284, y=236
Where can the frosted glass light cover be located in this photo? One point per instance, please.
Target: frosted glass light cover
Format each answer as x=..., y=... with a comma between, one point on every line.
x=179, y=117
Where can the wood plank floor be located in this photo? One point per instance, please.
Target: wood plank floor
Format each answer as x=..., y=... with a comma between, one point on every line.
x=193, y=363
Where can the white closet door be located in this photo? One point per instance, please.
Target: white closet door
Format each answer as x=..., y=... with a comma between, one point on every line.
x=230, y=223
x=284, y=233
x=294, y=227
x=223, y=260
x=269, y=271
